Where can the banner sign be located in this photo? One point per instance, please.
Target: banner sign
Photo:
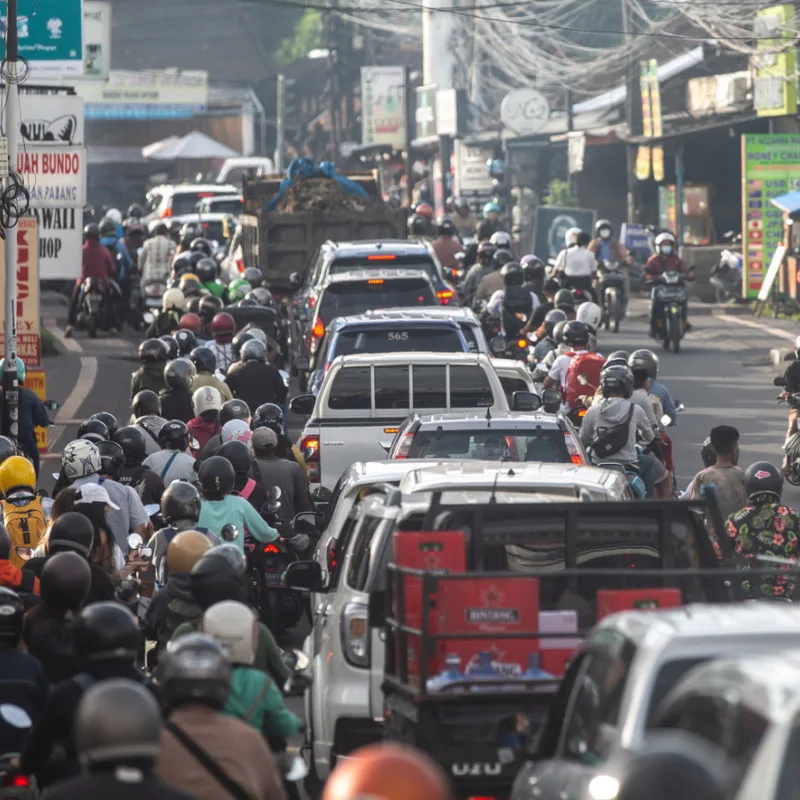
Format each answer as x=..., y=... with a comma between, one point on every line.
x=551, y=225
x=55, y=119
x=658, y=127
x=36, y=381
x=54, y=176
x=383, y=106
x=775, y=82
x=60, y=242
x=96, y=38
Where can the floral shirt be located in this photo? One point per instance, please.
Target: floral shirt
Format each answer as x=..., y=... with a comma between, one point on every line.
x=765, y=527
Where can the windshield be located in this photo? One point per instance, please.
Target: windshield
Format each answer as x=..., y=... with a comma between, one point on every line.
x=668, y=676
x=186, y=202
x=227, y=205
x=389, y=340
x=495, y=445
x=356, y=297
x=381, y=261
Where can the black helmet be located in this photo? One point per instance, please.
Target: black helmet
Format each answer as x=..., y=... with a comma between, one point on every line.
x=503, y=257
x=171, y=345
x=180, y=501
x=644, y=361
x=145, y=404
x=193, y=303
x=564, y=300
x=254, y=277
x=553, y=317
x=110, y=421
x=617, y=380
x=217, y=478
x=234, y=409
x=135, y=211
x=134, y=445
x=181, y=264
x=65, y=580
x=707, y=453
x=108, y=227
x=195, y=670
x=201, y=245
x=12, y=613
x=191, y=288
x=486, y=251
x=112, y=457
x=5, y=544
x=238, y=453
x=204, y=359
x=174, y=435
x=254, y=350
x=576, y=333
x=207, y=270
x=619, y=355
x=533, y=268
x=558, y=331
x=151, y=350
x=763, y=478
x=7, y=448
x=219, y=574
x=268, y=415
x=92, y=231
x=239, y=341
x=261, y=295
x=446, y=227
x=118, y=723
x=512, y=274
x=186, y=340
x=72, y=531
x=179, y=374
x=418, y=225
x=93, y=430
x=600, y=224
x=106, y=630
x=210, y=306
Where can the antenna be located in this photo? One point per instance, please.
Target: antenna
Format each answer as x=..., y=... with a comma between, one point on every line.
x=488, y=416
x=511, y=473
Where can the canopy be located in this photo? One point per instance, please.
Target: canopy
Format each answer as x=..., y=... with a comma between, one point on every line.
x=789, y=203
x=152, y=150
x=194, y=145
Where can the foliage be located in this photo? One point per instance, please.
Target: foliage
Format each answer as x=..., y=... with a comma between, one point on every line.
x=306, y=37
x=560, y=194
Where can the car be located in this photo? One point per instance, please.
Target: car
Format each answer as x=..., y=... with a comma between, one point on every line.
x=367, y=333
x=234, y=169
x=532, y=436
x=221, y=204
x=514, y=375
x=364, y=399
x=181, y=199
x=626, y=667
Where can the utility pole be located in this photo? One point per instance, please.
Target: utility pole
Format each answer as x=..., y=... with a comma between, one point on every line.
x=280, y=121
x=632, y=96
x=408, y=99
x=333, y=55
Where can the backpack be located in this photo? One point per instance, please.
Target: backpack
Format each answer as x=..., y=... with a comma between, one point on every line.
x=583, y=377
x=611, y=440
x=25, y=525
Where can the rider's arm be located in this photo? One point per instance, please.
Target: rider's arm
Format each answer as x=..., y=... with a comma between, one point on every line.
x=643, y=426
x=277, y=718
x=495, y=304
x=302, y=498
x=561, y=262
x=258, y=527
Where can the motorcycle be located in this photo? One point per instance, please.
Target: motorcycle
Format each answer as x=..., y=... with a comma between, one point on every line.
x=93, y=307
x=631, y=475
x=153, y=292
x=726, y=277
x=135, y=302
x=792, y=445
x=611, y=287
x=13, y=785
x=669, y=300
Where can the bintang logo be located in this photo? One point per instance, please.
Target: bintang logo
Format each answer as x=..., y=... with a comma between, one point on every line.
x=61, y=130
x=492, y=613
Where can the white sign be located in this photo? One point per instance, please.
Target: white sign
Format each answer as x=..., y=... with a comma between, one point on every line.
x=51, y=119
x=96, y=38
x=60, y=243
x=54, y=176
x=383, y=106
x=472, y=174
x=524, y=111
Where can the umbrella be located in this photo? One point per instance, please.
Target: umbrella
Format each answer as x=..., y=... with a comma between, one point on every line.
x=151, y=150
x=194, y=145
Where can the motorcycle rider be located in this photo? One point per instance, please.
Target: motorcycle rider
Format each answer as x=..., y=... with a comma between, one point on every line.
x=576, y=263
x=23, y=518
x=235, y=409
x=666, y=259
x=222, y=328
x=191, y=322
x=173, y=462
x=32, y=414
x=173, y=306
x=205, y=363
x=284, y=473
x=483, y=232
x=576, y=336
x=146, y=483
x=493, y=281
x=591, y=316
x=153, y=358
x=209, y=307
x=270, y=415
x=491, y=214
x=547, y=343
x=241, y=458
x=186, y=341
x=546, y=364
x=207, y=403
x=23, y=582
x=208, y=271
x=462, y=217
x=146, y=408
x=483, y=266
x=647, y=361
x=254, y=380
x=791, y=394
x=606, y=247
x=512, y=300
x=534, y=271
x=176, y=398
x=447, y=245
x=551, y=288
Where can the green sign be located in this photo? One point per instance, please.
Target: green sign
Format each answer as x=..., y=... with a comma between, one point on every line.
x=50, y=35
x=770, y=168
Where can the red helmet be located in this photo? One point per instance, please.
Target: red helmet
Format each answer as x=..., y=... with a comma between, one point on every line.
x=424, y=210
x=222, y=328
x=191, y=322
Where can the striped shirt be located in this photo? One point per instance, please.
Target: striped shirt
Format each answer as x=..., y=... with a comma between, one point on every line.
x=156, y=259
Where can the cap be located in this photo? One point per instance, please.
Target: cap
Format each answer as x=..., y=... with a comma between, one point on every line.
x=264, y=438
x=93, y=493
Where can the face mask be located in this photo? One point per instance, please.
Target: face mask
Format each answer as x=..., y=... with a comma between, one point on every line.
x=666, y=249
x=605, y=233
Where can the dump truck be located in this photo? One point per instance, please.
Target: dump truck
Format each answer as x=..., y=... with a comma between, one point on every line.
x=315, y=210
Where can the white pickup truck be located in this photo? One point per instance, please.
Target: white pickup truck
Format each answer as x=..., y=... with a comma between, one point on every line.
x=364, y=399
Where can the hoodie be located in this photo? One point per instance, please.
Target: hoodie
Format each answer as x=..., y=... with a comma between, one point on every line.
x=148, y=376
x=151, y=425
x=202, y=431
x=614, y=411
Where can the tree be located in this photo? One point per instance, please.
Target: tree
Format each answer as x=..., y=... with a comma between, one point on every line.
x=307, y=36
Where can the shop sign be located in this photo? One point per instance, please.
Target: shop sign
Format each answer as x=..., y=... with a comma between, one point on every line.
x=383, y=112
x=775, y=83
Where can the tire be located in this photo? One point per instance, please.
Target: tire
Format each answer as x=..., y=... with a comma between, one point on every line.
x=794, y=474
x=675, y=332
x=92, y=325
x=613, y=311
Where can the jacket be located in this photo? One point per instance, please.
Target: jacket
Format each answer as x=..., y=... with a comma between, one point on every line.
x=256, y=382
x=143, y=481
x=614, y=411
x=202, y=431
x=96, y=262
x=658, y=265
x=255, y=699
x=446, y=248
x=490, y=283
x=618, y=250
x=165, y=323
x=207, y=379
x=176, y=404
x=32, y=415
x=172, y=465
x=19, y=580
x=104, y=784
x=148, y=376
x=156, y=259
x=23, y=684
x=151, y=425
x=223, y=353
x=215, y=514
x=171, y=607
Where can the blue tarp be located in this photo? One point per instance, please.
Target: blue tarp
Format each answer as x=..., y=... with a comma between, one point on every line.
x=790, y=203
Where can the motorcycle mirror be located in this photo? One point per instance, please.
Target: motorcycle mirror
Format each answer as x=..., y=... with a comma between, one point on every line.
x=15, y=716
x=146, y=552
x=135, y=541
x=274, y=493
x=148, y=318
x=497, y=345
x=152, y=508
x=680, y=407
x=230, y=533
x=666, y=420
x=194, y=444
x=779, y=381
x=56, y=475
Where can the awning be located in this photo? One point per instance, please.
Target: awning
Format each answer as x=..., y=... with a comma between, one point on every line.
x=702, y=127
x=789, y=203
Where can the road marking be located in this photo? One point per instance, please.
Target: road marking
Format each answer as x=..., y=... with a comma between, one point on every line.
x=77, y=397
x=68, y=344
x=751, y=323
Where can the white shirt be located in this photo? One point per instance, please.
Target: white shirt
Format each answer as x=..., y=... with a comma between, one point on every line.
x=558, y=372
x=495, y=305
x=577, y=262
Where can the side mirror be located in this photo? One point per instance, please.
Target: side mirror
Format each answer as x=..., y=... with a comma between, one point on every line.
x=666, y=421
x=295, y=279
x=551, y=401
x=303, y=404
x=15, y=716
x=498, y=346
x=302, y=363
x=273, y=493
x=376, y=609
x=148, y=318
x=135, y=541
x=386, y=444
x=304, y=522
x=50, y=405
x=230, y=533
x=305, y=576
x=680, y=407
x=322, y=494
x=779, y=381
x=525, y=401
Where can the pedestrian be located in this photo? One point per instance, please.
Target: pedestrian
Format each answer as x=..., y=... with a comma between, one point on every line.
x=157, y=255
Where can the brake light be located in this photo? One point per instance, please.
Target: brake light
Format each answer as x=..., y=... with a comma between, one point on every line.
x=331, y=555
x=312, y=462
x=205, y=224
x=404, y=446
x=319, y=329
x=574, y=454
x=381, y=258
x=17, y=781
x=375, y=281
x=522, y=343
x=445, y=296
x=272, y=549
x=205, y=194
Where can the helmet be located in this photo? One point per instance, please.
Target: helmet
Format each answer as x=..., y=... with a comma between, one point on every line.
x=551, y=319
x=201, y=245
x=253, y=351
x=145, y=403
x=512, y=274
x=152, y=350
x=618, y=356
x=558, y=331
x=92, y=231
x=486, y=251
x=220, y=574
x=664, y=238
x=118, y=722
x=135, y=211
x=564, y=300
x=576, y=333
x=203, y=359
x=591, y=315
x=195, y=257
x=179, y=374
x=110, y=421
x=533, y=268
x=191, y=322
x=16, y=472
x=206, y=398
x=239, y=341
x=72, y=531
x=180, y=501
x=234, y=409
x=645, y=361
x=5, y=544
x=501, y=258
x=105, y=630
x=491, y=208
x=65, y=581
x=238, y=453
x=617, y=380
x=134, y=445
x=112, y=457
x=388, y=770
x=190, y=287
x=12, y=613
x=501, y=240
x=424, y=210
x=185, y=550
x=171, y=345
x=174, y=435
x=181, y=264
x=80, y=458
x=763, y=478
x=222, y=328
x=235, y=627
x=173, y=298
x=115, y=215
x=210, y=305
x=207, y=270
x=7, y=448
x=707, y=453
x=186, y=340
x=217, y=477
x=268, y=415
x=193, y=304
x=195, y=670
x=571, y=236
x=418, y=225
x=261, y=295
x=254, y=277
x=600, y=225
x=108, y=228
x=460, y=204
x=236, y=430
x=257, y=333
x=21, y=369
x=446, y=227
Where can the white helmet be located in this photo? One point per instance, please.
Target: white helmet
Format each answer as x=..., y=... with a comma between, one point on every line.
x=80, y=459
x=664, y=238
x=206, y=398
x=589, y=314
x=236, y=430
x=501, y=240
x=173, y=298
x=115, y=215
x=571, y=236
x=235, y=627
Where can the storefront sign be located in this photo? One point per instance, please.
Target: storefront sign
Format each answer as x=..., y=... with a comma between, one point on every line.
x=96, y=38
x=451, y=112
x=36, y=381
x=770, y=168
x=60, y=242
x=54, y=176
x=425, y=115
x=658, y=127
x=775, y=84
x=524, y=111
x=51, y=120
x=50, y=36
x=383, y=113
x=472, y=172
x=551, y=225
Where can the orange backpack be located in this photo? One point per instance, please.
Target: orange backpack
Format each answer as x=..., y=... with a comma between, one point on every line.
x=25, y=525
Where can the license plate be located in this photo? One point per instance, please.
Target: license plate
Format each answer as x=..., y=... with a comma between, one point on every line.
x=274, y=578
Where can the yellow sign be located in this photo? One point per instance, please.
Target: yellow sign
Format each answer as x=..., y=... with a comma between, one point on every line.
x=658, y=128
x=36, y=381
x=643, y=153
x=775, y=62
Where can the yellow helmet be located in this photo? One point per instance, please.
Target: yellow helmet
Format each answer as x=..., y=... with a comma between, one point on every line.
x=188, y=276
x=185, y=549
x=16, y=472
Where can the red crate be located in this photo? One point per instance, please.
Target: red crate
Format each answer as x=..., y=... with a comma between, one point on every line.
x=609, y=601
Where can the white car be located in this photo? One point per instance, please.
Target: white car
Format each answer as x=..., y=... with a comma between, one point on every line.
x=180, y=200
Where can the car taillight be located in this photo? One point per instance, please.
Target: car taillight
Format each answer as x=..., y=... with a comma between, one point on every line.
x=445, y=296
x=312, y=462
x=272, y=549
x=205, y=225
x=354, y=634
x=404, y=446
x=17, y=781
x=318, y=331
x=331, y=555
x=312, y=300
x=574, y=454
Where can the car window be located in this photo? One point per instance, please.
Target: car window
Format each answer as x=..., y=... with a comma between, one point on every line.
x=391, y=388
x=225, y=205
x=212, y=230
x=186, y=202
x=511, y=385
x=154, y=202
x=469, y=335
x=411, y=338
x=667, y=678
x=351, y=389
x=362, y=553
x=469, y=387
x=430, y=386
x=356, y=297
x=383, y=261
x=495, y=444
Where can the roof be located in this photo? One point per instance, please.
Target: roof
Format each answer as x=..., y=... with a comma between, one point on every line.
x=458, y=313
x=398, y=247
x=378, y=359
x=455, y=420
x=180, y=188
x=370, y=321
x=368, y=472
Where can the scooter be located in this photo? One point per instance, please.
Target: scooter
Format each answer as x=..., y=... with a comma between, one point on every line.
x=669, y=293
x=611, y=287
x=726, y=277
x=14, y=785
x=792, y=445
x=93, y=307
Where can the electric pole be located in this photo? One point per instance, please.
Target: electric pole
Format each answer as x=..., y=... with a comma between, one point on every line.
x=280, y=122
x=632, y=96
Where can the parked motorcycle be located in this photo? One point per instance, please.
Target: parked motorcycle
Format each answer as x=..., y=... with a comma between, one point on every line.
x=669, y=301
x=611, y=288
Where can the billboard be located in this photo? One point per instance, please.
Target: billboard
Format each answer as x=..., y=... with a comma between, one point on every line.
x=775, y=83
x=96, y=38
x=383, y=106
